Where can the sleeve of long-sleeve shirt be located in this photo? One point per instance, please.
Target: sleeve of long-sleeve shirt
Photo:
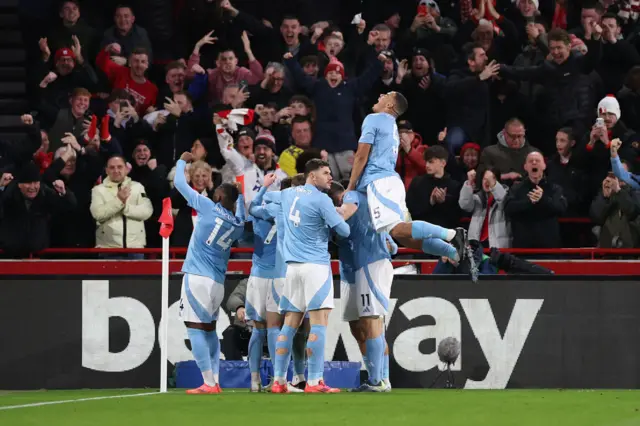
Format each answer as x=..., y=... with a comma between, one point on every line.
x=195, y=200
x=623, y=175
x=229, y=153
x=198, y=86
x=110, y=68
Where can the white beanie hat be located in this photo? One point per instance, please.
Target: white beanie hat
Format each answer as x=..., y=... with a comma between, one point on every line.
x=609, y=104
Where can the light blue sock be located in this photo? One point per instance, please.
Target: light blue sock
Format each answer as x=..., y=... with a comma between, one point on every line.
x=214, y=352
x=439, y=248
x=298, y=352
x=256, y=343
x=423, y=230
x=385, y=362
x=200, y=351
x=365, y=360
x=316, y=348
x=375, y=355
x=282, y=360
x=272, y=336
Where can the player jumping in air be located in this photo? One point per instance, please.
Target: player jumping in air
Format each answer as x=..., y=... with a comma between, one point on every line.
x=267, y=281
x=374, y=174
x=309, y=215
x=220, y=223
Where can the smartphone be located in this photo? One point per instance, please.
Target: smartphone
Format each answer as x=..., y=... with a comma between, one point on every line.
x=600, y=122
x=244, y=85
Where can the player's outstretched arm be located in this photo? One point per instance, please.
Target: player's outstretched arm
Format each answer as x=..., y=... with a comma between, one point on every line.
x=359, y=162
x=195, y=200
x=256, y=209
x=241, y=213
x=350, y=205
x=333, y=219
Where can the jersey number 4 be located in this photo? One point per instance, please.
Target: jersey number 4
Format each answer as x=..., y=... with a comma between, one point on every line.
x=294, y=215
x=224, y=241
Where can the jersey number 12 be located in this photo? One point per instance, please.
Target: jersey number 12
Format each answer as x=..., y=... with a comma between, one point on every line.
x=224, y=241
x=294, y=215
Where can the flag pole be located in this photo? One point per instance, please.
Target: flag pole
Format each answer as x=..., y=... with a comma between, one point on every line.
x=164, y=316
x=166, y=227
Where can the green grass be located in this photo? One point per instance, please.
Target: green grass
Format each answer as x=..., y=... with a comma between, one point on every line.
x=401, y=407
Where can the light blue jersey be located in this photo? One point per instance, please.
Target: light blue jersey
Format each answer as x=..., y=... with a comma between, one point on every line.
x=381, y=132
x=308, y=215
x=215, y=231
x=368, y=246
x=346, y=257
x=267, y=257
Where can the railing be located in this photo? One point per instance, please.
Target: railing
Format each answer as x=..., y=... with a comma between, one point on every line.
x=587, y=252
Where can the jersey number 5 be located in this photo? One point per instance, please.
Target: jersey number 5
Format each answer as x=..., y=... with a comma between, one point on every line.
x=224, y=241
x=294, y=215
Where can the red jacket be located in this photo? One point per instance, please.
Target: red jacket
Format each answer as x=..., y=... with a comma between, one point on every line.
x=120, y=78
x=412, y=164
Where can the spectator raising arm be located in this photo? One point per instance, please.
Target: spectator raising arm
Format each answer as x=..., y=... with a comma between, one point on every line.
x=619, y=170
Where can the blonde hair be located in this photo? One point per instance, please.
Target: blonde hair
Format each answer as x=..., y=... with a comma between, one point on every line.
x=198, y=165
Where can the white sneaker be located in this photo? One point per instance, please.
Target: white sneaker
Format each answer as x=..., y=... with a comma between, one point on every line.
x=256, y=387
x=293, y=389
x=387, y=386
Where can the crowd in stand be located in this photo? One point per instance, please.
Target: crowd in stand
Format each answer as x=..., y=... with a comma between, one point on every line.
x=520, y=112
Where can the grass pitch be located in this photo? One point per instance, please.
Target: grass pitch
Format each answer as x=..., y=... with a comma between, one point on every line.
x=401, y=407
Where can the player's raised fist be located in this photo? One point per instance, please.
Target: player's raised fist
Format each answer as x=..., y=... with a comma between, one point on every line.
x=269, y=179
x=288, y=55
x=27, y=119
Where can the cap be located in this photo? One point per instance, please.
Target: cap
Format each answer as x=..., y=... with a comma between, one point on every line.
x=405, y=125
x=265, y=138
x=29, y=173
x=245, y=131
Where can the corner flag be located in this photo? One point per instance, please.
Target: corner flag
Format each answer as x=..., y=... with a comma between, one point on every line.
x=166, y=219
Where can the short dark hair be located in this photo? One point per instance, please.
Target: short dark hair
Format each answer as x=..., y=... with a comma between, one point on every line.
x=121, y=94
x=174, y=65
x=120, y=156
x=313, y=165
x=558, y=34
x=298, y=180
x=186, y=94
x=610, y=15
x=306, y=156
x=437, y=152
x=300, y=119
x=469, y=50
x=63, y=2
x=402, y=105
x=334, y=192
x=124, y=6
x=383, y=28
x=567, y=131
x=599, y=8
x=309, y=59
x=140, y=51
x=290, y=17
x=496, y=172
x=225, y=50
x=229, y=194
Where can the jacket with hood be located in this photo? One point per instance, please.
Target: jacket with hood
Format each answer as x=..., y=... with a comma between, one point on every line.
x=535, y=225
x=476, y=203
x=618, y=216
x=120, y=225
x=411, y=164
x=425, y=103
x=504, y=158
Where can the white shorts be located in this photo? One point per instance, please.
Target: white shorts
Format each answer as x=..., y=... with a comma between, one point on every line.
x=373, y=289
x=274, y=295
x=386, y=199
x=349, y=301
x=308, y=287
x=256, y=298
x=200, y=299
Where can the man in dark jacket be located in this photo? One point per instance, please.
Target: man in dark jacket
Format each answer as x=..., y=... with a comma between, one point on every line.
x=568, y=89
x=534, y=206
x=616, y=209
x=26, y=208
x=72, y=25
x=179, y=132
x=467, y=93
x=21, y=151
x=276, y=41
x=434, y=196
x=564, y=170
x=126, y=34
x=618, y=55
x=335, y=100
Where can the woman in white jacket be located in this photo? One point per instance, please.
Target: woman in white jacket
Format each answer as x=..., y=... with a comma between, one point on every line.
x=120, y=206
x=489, y=224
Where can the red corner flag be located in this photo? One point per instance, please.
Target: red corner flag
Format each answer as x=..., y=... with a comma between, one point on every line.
x=166, y=219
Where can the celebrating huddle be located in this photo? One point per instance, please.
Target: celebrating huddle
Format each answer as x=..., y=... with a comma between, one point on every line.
x=290, y=290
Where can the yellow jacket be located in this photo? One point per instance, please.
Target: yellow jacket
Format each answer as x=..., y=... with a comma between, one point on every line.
x=118, y=222
x=288, y=158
